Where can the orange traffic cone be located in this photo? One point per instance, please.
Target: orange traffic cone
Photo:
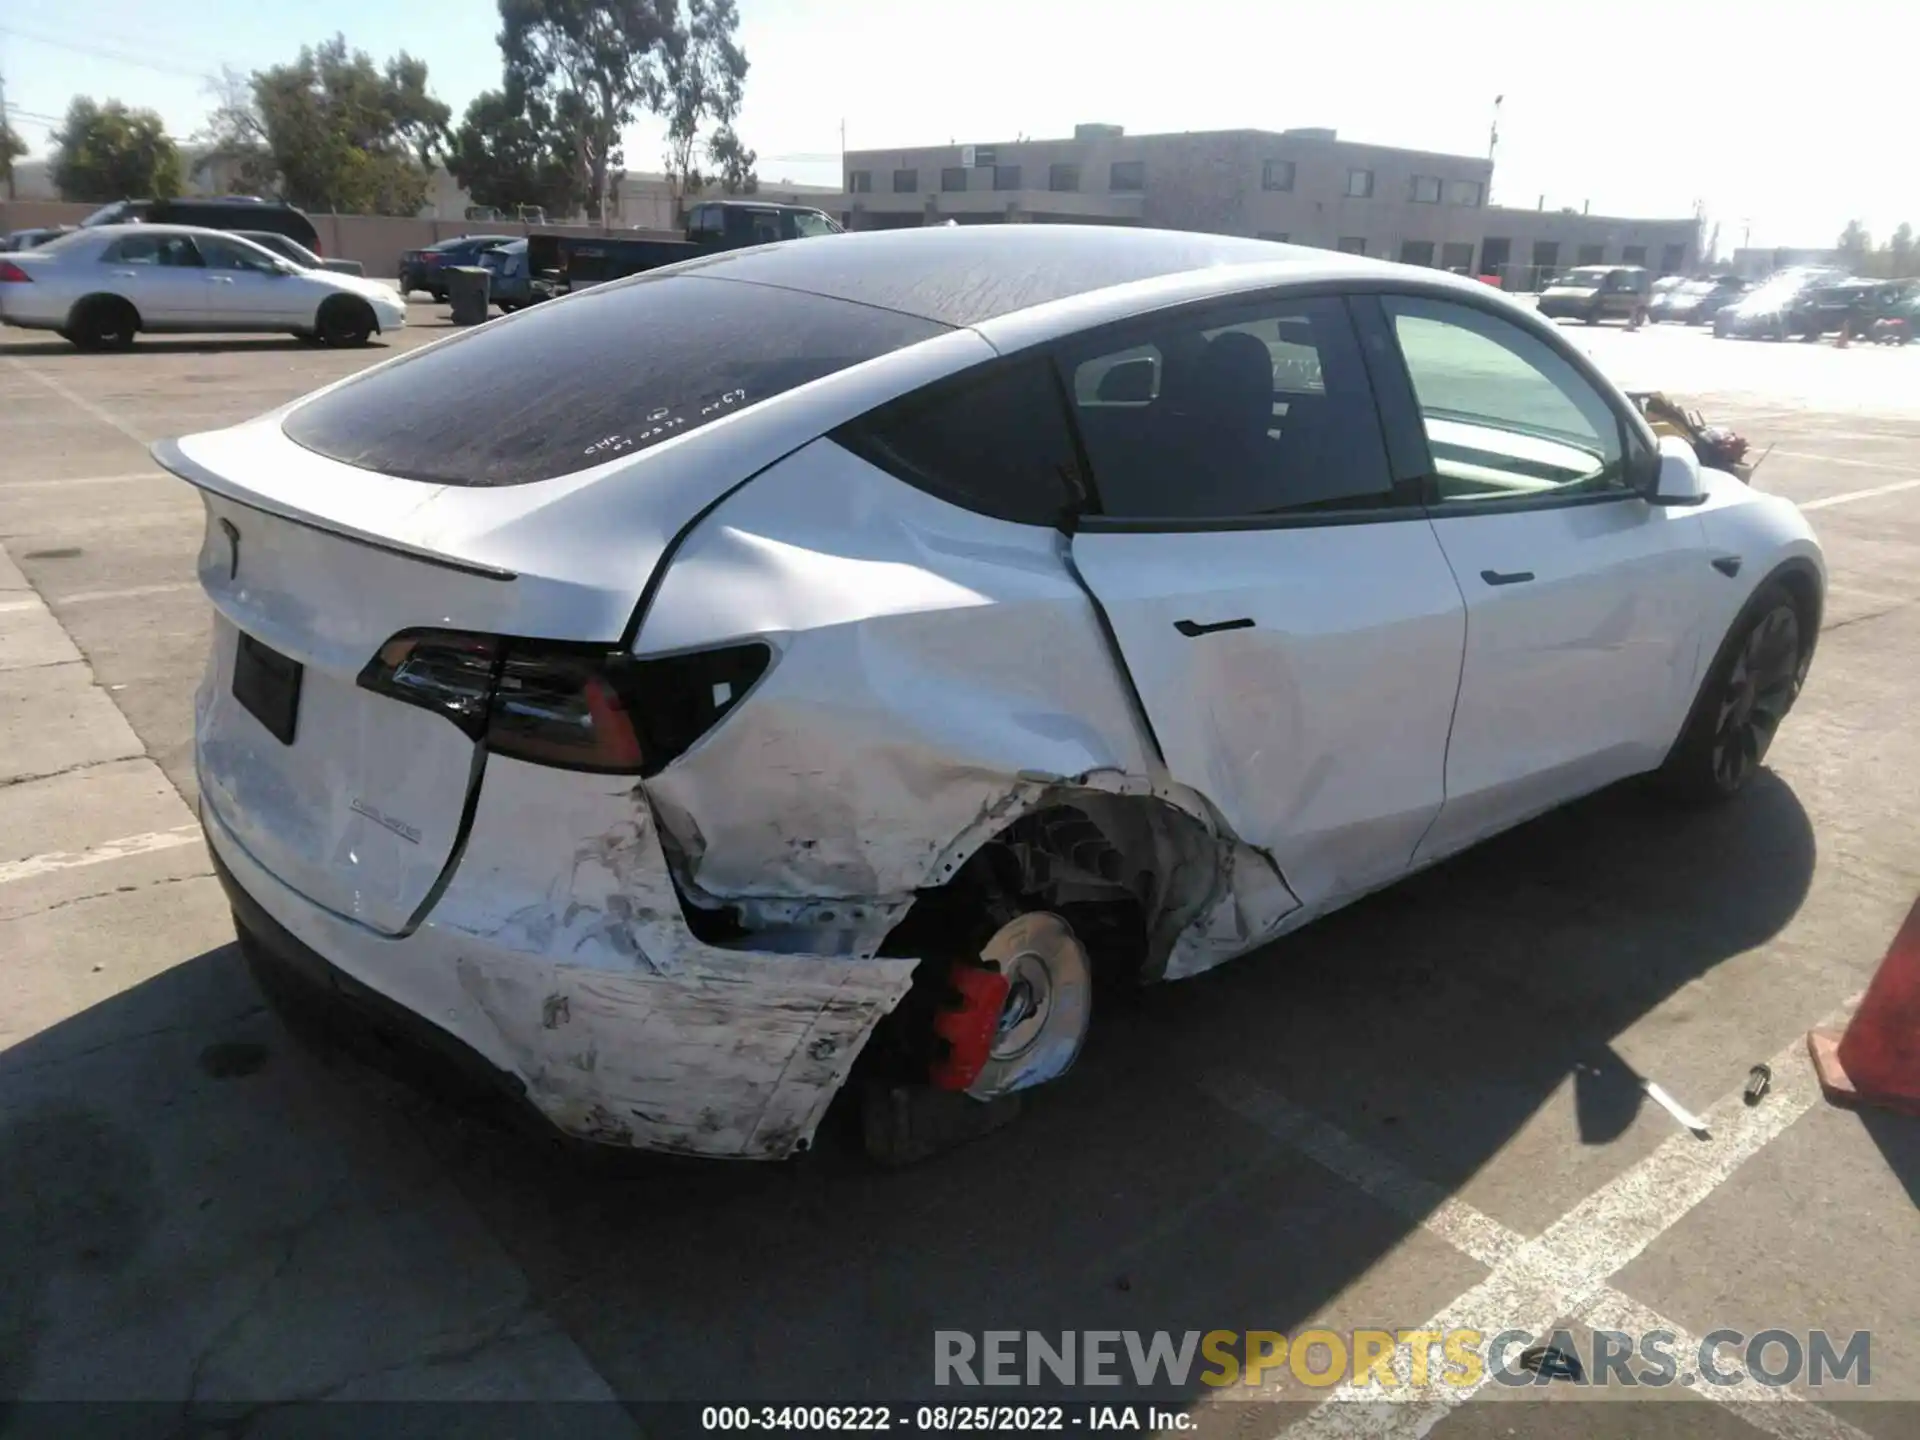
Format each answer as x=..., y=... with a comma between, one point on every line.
x=1877, y=1060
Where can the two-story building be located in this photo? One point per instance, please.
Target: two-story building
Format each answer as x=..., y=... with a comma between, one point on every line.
x=1304, y=186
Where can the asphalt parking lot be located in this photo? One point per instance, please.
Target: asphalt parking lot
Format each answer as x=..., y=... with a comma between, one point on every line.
x=1421, y=1112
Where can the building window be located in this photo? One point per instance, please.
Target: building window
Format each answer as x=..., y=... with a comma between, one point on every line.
x=1278, y=237
x=1063, y=177
x=1591, y=254
x=1457, y=257
x=905, y=182
x=1354, y=244
x=1634, y=255
x=1127, y=175
x=1466, y=192
x=859, y=182
x=1495, y=255
x=1546, y=253
x=1416, y=252
x=1276, y=175
x=1360, y=184
x=1006, y=177
x=1673, y=259
x=1424, y=189
x=954, y=178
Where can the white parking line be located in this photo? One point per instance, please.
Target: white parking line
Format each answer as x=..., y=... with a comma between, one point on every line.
x=105, y=417
x=1852, y=495
x=1535, y=1284
x=1844, y=460
x=132, y=592
x=121, y=849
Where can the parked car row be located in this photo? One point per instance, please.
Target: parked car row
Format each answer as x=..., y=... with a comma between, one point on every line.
x=1808, y=302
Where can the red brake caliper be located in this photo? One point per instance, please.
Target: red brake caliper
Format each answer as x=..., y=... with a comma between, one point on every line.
x=967, y=1023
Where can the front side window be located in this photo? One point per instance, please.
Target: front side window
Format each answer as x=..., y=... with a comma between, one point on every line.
x=1425, y=190
x=608, y=373
x=224, y=255
x=1360, y=184
x=1506, y=416
x=811, y=222
x=1264, y=410
x=1127, y=175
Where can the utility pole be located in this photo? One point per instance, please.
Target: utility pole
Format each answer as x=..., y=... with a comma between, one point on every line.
x=843, y=150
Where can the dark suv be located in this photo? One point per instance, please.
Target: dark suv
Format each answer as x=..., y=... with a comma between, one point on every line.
x=214, y=212
x=425, y=269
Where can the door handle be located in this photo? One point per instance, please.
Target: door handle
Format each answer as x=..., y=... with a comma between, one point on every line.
x=1510, y=577
x=126, y=274
x=1192, y=628
x=219, y=279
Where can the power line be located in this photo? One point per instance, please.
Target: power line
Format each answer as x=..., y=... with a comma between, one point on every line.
x=105, y=52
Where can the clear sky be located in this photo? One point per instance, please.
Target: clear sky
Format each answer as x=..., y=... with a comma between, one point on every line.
x=1635, y=107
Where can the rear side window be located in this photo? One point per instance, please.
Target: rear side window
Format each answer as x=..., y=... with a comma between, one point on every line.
x=996, y=442
x=574, y=384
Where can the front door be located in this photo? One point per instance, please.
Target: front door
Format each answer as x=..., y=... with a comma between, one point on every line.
x=249, y=292
x=1284, y=610
x=1584, y=602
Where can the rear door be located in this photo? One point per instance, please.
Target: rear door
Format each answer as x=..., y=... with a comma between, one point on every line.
x=1584, y=602
x=1283, y=607
x=164, y=277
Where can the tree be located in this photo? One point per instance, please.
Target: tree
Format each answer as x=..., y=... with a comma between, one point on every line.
x=233, y=143
x=12, y=147
x=1855, y=242
x=512, y=149
x=108, y=152
x=1900, y=252
x=595, y=62
x=704, y=71
x=735, y=160
x=331, y=131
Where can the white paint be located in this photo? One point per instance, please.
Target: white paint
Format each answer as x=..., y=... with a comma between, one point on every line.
x=121, y=849
x=65, y=484
x=1897, y=488
x=131, y=592
x=1840, y=459
x=104, y=416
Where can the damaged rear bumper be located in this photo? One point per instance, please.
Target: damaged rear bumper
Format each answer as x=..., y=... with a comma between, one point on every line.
x=557, y=967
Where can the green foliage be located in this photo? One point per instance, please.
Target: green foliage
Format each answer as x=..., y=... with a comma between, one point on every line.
x=512, y=150
x=108, y=152
x=1896, y=260
x=593, y=64
x=735, y=161
x=704, y=72
x=332, y=131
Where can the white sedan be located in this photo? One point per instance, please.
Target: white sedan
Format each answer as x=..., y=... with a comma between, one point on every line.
x=101, y=286
x=846, y=649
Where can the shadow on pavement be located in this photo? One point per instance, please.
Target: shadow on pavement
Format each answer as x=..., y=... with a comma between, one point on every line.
x=1432, y=1021
x=173, y=345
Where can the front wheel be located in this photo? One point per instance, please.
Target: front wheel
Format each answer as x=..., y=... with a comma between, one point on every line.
x=344, y=322
x=1754, y=681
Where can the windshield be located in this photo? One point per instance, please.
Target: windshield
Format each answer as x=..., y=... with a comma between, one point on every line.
x=1584, y=279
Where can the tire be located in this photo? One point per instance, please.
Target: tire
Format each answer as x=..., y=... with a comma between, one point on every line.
x=1755, y=679
x=344, y=322
x=102, y=322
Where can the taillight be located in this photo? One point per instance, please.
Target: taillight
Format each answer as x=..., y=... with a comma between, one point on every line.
x=561, y=708
x=12, y=274
x=579, y=707
x=438, y=670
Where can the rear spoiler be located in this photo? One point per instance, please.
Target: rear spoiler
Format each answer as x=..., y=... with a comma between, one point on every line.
x=169, y=457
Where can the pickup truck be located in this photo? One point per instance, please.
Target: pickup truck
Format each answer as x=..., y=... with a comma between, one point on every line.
x=577, y=261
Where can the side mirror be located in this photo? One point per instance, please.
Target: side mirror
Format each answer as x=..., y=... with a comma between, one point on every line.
x=1677, y=481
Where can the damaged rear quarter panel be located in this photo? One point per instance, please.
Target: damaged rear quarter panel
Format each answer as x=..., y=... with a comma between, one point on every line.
x=937, y=670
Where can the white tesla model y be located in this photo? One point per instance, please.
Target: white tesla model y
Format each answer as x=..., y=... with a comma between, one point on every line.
x=845, y=649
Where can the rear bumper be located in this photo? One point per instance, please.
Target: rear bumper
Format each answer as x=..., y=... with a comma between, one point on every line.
x=557, y=966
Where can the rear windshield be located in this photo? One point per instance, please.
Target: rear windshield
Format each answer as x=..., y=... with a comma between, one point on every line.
x=575, y=383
